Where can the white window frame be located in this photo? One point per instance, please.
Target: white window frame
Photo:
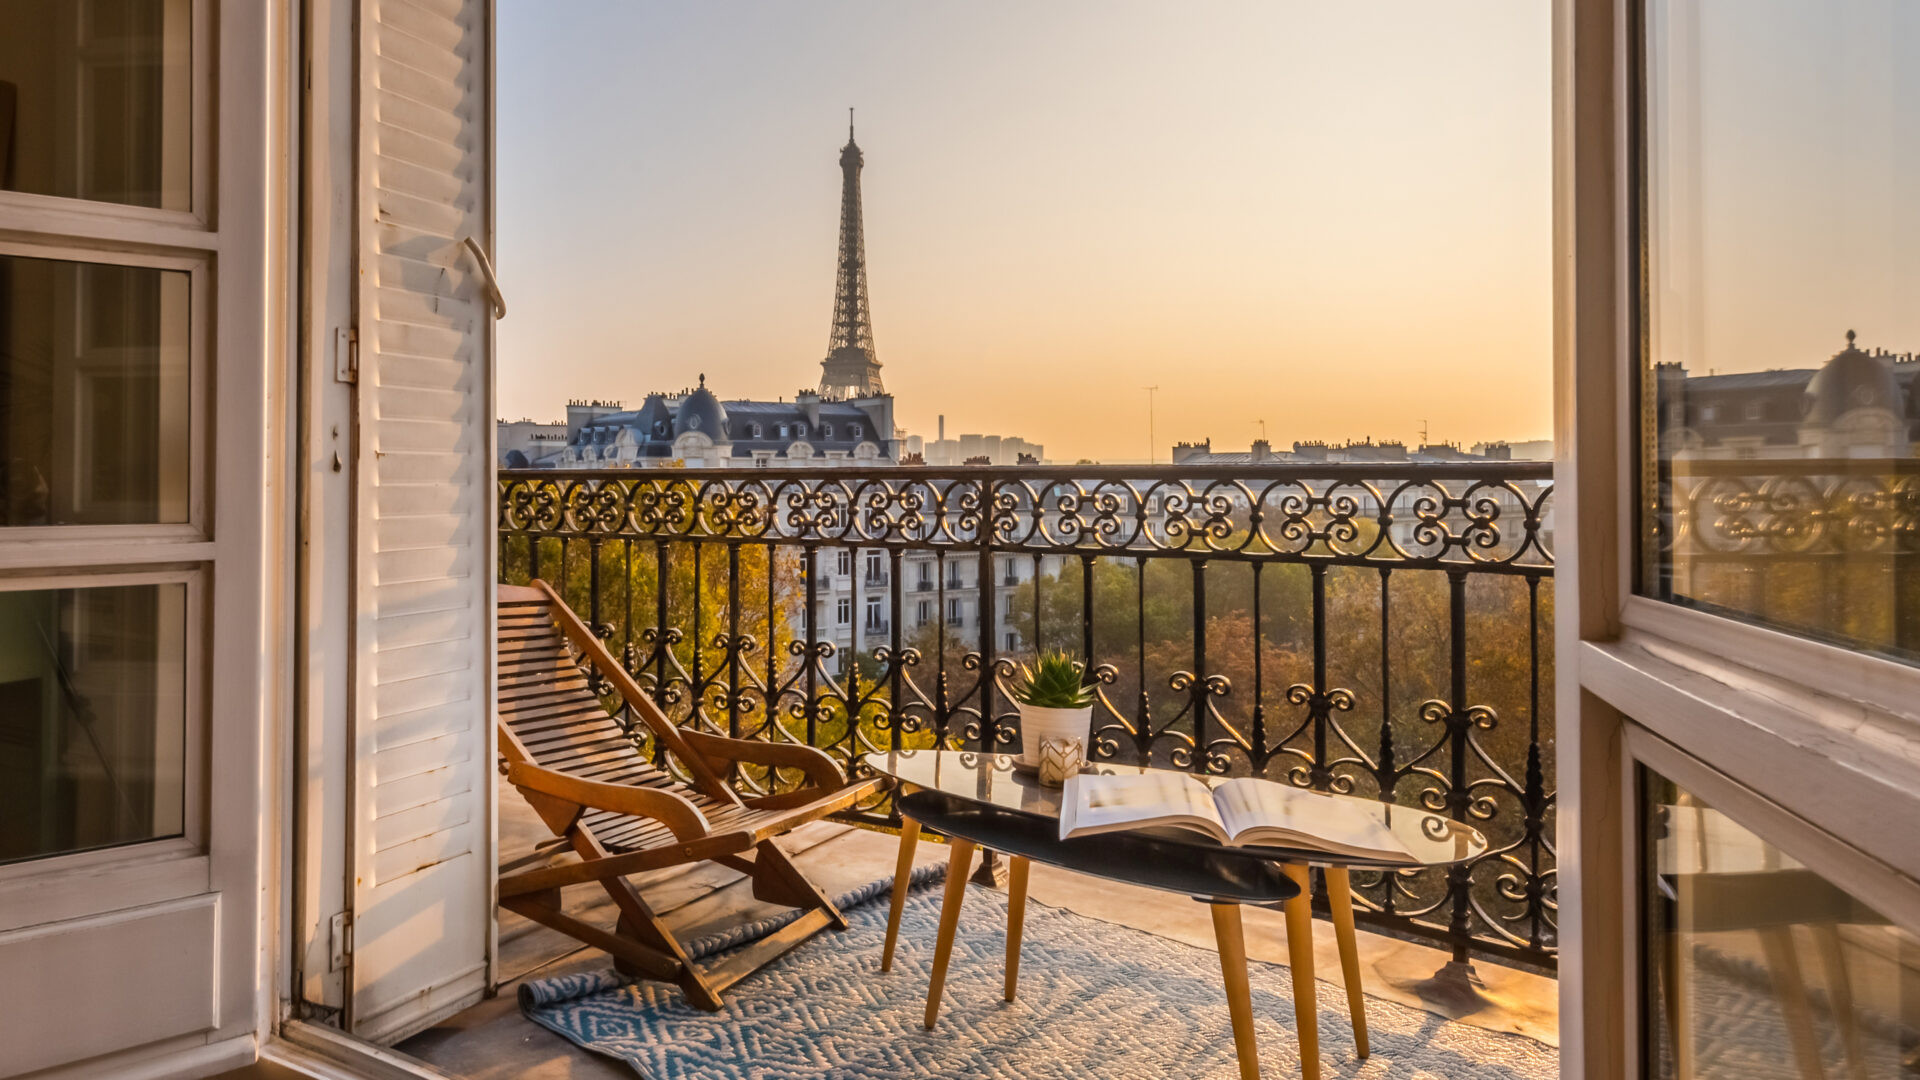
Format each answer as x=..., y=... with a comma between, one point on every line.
x=119, y=222
x=35, y=546
x=226, y=552
x=1774, y=729
x=59, y=887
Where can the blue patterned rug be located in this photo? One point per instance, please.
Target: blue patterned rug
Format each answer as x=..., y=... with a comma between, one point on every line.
x=1096, y=1000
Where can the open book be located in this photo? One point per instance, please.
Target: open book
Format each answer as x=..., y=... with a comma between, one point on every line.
x=1238, y=813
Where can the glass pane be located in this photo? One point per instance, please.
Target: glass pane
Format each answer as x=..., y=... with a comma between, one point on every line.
x=93, y=394
x=95, y=100
x=1757, y=967
x=1779, y=402
x=92, y=717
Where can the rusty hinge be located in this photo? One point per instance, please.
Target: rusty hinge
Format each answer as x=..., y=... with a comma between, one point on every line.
x=339, y=941
x=346, y=354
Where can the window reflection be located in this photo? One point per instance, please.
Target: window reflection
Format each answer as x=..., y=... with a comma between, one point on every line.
x=1758, y=967
x=95, y=100
x=1780, y=403
x=93, y=394
x=92, y=717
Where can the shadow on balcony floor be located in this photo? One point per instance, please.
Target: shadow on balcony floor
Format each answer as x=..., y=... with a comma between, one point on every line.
x=493, y=1041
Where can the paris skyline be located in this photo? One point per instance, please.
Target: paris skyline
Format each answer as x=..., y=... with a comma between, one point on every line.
x=1061, y=209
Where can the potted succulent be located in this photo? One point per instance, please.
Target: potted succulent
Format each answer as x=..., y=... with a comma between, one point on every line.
x=1053, y=704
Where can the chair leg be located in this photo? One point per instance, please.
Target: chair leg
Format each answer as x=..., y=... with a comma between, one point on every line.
x=1340, y=900
x=902, y=874
x=1233, y=970
x=638, y=921
x=1306, y=1014
x=957, y=866
x=777, y=881
x=1016, y=918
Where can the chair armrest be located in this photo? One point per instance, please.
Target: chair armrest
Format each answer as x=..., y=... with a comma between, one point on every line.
x=674, y=811
x=820, y=769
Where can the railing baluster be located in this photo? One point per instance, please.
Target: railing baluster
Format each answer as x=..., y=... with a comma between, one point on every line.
x=1386, y=777
x=986, y=587
x=1536, y=797
x=1202, y=761
x=1319, y=773
x=941, y=721
x=770, y=696
x=1143, y=721
x=896, y=696
x=733, y=640
x=1086, y=611
x=662, y=645
x=810, y=566
x=593, y=585
x=1459, y=875
x=1258, y=736
x=697, y=692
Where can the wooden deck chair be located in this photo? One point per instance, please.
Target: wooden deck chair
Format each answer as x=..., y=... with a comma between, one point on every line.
x=621, y=814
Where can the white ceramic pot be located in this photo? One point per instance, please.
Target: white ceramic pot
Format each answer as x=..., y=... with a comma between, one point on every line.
x=1037, y=723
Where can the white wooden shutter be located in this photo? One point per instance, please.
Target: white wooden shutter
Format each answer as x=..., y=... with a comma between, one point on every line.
x=422, y=818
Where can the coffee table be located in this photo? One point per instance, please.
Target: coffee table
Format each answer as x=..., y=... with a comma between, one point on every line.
x=982, y=800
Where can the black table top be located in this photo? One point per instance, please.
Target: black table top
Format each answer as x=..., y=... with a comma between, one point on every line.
x=990, y=780
x=1210, y=873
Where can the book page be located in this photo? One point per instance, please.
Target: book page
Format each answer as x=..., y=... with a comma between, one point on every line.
x=1096, y=803
x=1257, y=811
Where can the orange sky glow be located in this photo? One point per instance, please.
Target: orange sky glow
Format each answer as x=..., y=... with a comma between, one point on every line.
x=1333, y=218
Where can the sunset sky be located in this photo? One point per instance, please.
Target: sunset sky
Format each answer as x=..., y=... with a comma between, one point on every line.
x=1332, y=217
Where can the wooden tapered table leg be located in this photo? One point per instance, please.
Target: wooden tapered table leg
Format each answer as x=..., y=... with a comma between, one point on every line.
x=1306, y=1014
x=1833, y=957
x=902, y=873
x=1776, y=944
x=1016, y=916
x=1340, y=900
x=949, y=919
x=1233, y=970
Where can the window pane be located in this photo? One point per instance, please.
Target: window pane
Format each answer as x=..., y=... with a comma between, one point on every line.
x=92, y=717
x=93, y=394
x=1779, y=400
x=95, y=100
x=1758, y=967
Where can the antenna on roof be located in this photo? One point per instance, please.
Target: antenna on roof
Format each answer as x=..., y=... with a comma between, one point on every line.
x=849, y=123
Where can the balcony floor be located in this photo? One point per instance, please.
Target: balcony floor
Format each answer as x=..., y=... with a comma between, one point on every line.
x=493, y=1041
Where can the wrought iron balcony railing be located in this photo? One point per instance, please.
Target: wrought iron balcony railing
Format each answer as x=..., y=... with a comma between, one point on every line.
x=1381, y=630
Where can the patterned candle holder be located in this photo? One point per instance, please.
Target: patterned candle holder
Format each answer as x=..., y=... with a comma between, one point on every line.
x=1059, y=759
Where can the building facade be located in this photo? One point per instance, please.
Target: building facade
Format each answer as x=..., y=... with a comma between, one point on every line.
x=1859, y=404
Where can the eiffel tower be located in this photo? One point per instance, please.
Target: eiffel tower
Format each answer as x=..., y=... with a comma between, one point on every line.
x=852, y=368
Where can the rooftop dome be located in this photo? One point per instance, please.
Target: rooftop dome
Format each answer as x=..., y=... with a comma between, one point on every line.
x=701, y=412
x=1851, y=380
x=517, y=460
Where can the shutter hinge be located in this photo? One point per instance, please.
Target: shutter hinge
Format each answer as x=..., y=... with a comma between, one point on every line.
x=339, y=941
x=346, y=354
